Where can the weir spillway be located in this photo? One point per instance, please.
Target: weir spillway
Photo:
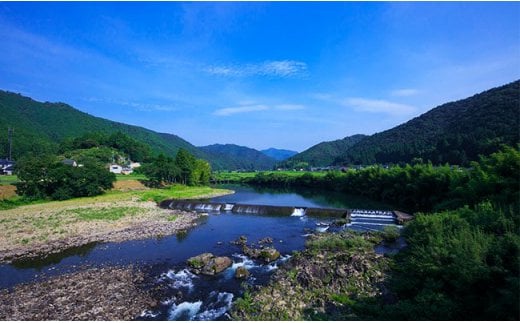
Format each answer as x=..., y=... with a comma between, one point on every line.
x=356, y=217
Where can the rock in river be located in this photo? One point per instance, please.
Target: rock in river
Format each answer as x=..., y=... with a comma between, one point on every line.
x=208, y=264
x=241, y=272
x=198, y=262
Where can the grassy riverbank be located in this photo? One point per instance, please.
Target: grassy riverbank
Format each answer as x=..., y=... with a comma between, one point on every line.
x=117, y=215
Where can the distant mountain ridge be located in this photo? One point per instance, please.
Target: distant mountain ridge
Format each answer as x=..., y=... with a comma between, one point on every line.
x=278, y=154
x=232, y=157
x=455, y=132
x=324, y=153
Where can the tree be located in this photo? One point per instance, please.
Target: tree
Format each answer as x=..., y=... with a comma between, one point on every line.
x=48, y=177
x=186, y=163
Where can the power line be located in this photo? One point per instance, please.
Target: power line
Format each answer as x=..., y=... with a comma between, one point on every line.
x=10, y=139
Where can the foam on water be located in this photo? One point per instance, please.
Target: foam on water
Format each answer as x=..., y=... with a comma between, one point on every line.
x=217, y=308
x=322, y=229
x=150, y=314
x=246, y=262
x=184, y=311
x=274, y=265
x=181, y=279
x=298, y=212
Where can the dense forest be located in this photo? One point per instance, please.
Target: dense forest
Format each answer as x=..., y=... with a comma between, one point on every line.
x=231, y=157
x=322, y=154
x=40, y=127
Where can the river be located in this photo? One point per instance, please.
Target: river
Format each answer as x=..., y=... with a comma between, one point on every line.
x=197, y=297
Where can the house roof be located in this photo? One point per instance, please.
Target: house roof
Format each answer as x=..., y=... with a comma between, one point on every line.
x=69, y=161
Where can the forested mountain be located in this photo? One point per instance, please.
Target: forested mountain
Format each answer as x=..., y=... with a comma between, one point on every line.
x=40, y=127
x=279, y=154
x=231, y=157
x=455, y=132
x=323, y=154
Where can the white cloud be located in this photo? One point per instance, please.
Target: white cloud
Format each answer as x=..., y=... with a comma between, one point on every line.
x=249, y=106
x=379, y=106
x=285, y=68
x=240, y=109
x=404, y=92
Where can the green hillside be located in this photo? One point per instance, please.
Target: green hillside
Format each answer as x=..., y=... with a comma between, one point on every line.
x=325, y=153
x=39, y=127
x=455, y=132
x=233, y=157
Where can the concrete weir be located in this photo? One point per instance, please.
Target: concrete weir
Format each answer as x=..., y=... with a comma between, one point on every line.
x=357, y=218
x=193, y=205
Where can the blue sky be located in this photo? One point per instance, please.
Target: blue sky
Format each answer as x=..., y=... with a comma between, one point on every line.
x=284, y=75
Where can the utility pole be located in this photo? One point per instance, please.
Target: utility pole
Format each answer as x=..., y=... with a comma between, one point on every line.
x=10, y=139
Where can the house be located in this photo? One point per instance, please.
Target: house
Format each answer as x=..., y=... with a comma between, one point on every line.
x=6, y=167
x=115, y=168
x=70, y=162
x=135, y=165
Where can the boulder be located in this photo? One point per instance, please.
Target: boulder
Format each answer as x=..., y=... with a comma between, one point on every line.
x=266, y=240
x=216, y=265
x=241, y=272
x=241, y=241
x=200, y=261
x=269, y=254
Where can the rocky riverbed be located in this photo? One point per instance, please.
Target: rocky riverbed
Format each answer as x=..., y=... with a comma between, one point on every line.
x=322, y=282
x=114, y=293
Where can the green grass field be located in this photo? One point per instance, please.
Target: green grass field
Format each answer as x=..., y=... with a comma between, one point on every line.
x=132, y=176
x=240, y=176
x=8, y=179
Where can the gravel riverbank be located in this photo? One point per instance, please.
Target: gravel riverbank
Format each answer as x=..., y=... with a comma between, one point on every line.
x=38, y=230
x=96, y=294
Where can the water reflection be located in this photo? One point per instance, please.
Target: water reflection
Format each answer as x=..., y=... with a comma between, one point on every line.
x=55, y=258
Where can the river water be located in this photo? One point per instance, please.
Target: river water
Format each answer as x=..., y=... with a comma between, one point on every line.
x=197, y=297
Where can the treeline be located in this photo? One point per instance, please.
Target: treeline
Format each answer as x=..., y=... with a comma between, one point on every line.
x=48, y=176
x=184, y=169
x=418, y=187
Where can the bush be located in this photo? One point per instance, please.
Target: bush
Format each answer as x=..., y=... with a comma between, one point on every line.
x=390, y=233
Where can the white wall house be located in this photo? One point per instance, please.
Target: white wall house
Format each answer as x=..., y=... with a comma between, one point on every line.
x=116, y=169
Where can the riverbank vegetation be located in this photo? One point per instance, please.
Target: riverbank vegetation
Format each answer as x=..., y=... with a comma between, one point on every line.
x=462, y=263
x=414, y=187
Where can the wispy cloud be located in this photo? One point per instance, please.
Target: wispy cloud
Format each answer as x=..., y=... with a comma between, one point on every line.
x=379, y=106
x=404, y=92
x=285, y=68
x=138, y=106
x=253, y=107
x=241, y=109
